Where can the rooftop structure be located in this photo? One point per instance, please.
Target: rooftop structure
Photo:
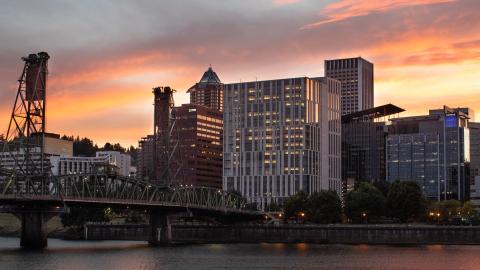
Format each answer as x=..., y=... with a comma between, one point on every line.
x=208, y=91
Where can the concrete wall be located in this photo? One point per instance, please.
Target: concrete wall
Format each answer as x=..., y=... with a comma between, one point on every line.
x=338, y=234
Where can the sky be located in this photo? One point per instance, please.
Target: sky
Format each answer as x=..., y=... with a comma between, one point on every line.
x=106, y=55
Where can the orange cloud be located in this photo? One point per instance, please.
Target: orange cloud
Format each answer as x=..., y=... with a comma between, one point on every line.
x=142, y=62
x=345, y=9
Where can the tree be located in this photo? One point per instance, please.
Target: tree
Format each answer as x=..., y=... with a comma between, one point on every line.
x=383, y=186
x=446, y=210
x=84, y=147
x=364, y=202
x=469, y=213
x=296, y=204
x=405, y=200
x=324, y=207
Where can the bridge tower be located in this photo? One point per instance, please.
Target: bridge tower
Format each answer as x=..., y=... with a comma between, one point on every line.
x=163, y=126
x=26, y=129
x=24, y=142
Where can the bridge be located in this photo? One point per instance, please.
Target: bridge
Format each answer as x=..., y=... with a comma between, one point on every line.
x=36, y=200
x=29, y=190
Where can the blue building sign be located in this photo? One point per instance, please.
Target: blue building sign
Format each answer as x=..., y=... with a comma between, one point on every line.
x=451, y=120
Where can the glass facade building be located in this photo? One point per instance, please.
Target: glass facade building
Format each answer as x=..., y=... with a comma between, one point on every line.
x=434, y=151
x=282, y=136
x=364, y=136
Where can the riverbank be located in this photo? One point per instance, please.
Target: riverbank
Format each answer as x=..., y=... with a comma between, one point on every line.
x=321, y=234
x=401, y=234
x=10, y=226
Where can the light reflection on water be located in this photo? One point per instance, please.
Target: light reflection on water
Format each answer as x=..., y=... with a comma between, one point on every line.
x=109, y=255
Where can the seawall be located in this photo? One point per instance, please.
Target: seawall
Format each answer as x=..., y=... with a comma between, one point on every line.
x=333, y=234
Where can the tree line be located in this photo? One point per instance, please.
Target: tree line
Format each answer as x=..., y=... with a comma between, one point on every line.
x=85, y=147
x=381, y=202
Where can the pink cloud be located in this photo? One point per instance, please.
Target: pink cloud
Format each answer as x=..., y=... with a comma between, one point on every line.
x=345, y=9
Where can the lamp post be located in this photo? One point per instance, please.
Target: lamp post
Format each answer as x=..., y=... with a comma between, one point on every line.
x=364, y=216
x=301, y=215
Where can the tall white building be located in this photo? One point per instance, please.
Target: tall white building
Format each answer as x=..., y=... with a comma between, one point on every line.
x=282, y=136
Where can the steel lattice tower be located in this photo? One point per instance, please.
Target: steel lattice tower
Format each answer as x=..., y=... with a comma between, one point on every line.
x=24, y=139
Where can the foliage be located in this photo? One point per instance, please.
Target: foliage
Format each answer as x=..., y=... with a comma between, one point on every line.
x=324, y=207
x=453, y=211
x=78, y=216
x=366, y=201
x=296, y=204
x=468, y=211
x=113, y=147
x=383, y=186
x=448, y=210
x=273, y=207
x=85, y=147
x=405, y=200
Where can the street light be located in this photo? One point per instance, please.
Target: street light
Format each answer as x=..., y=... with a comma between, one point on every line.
x=300, y=215
x=364, y=215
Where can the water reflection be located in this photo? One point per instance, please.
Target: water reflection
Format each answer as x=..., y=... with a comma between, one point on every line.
x=109, y=255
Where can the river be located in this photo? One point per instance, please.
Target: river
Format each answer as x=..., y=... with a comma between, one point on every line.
x=119, y=255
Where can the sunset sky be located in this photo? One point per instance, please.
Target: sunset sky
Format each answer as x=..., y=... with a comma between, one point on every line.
x=107, y=55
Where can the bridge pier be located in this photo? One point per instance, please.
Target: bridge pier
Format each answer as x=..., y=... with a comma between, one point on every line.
x=34, y=230
x=160, y=232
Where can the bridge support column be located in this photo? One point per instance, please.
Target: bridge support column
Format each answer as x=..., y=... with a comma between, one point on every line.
x=160, y=229
x=34, y=230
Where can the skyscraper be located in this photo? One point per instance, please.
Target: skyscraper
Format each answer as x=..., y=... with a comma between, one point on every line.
x=434, y=151
x=356, y=76
x=197, y=138
x=281, y=137
x=208, y=91
x=364, y=136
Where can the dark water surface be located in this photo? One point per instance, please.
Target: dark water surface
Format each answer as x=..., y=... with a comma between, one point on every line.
x=109, y=255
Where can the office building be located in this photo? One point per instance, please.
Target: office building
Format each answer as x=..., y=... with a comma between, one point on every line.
x=123, y=162
x=474, y=162
x=432, y=150
x=145, y=158
x=208, y=91
x=197, y=140
x=281, y=137
x=64, y=165
x=475, y=192
x=56, y=146
x=193, y=154
x=53, y=146
x=364, y=136
x=356, y=76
